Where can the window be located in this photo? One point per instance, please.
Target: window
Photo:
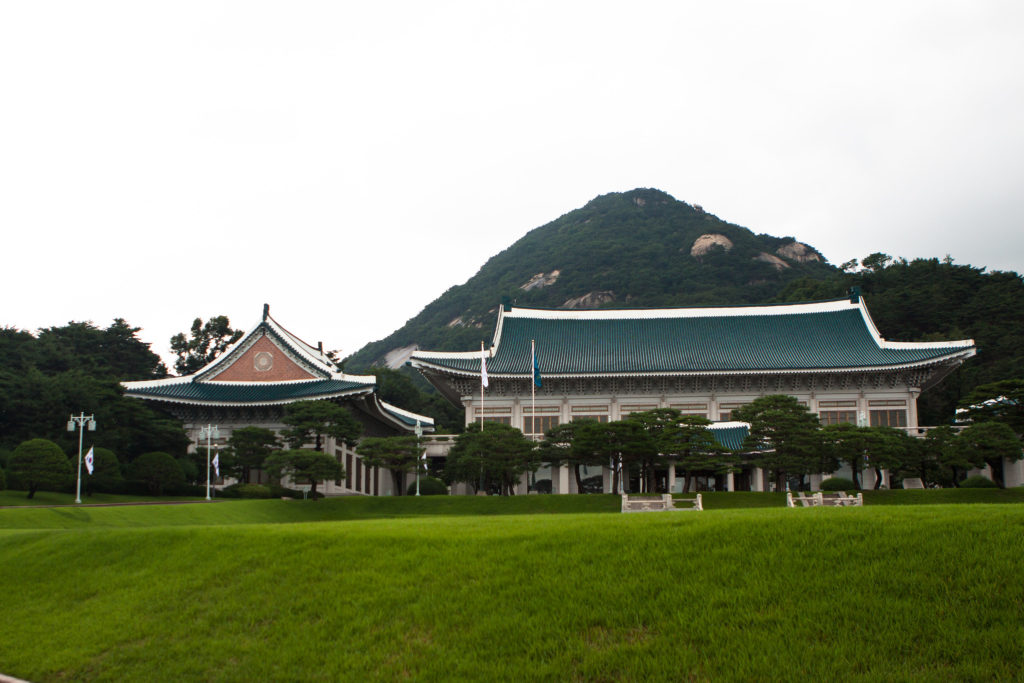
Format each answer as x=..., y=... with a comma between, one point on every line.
x=595, y=418
x=497, y=414
x=888, y=418
x=835, y=417
x=725, y=410
x=540, y=424
x=636, y=408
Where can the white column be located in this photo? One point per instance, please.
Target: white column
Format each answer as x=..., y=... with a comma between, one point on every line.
x=815, y=481
x=730, y=482
x=867, y=477
x=606, y=480
x=757, y=479
x=671, y=477
x=563, y=479
x=1013, y=473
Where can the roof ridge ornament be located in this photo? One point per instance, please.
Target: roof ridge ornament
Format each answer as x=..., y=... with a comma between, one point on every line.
x=855, y=294
x=266, y=312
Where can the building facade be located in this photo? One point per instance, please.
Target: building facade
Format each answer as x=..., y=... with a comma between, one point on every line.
x=605, y=364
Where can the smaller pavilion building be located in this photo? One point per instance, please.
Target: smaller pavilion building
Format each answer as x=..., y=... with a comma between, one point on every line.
x=253, y=381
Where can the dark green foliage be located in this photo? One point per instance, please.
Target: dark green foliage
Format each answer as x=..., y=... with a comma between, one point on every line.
x=205, y=343
x=157, y=471
x=634, y=244
x=888, y=448
x=106, y=475
x=625, y=443
x=838, y=484
x=310, y=421
x=191, y=470
x=246, y=491
x=429, y=486
x=396, y=454
x=997, y=402
x=978, y=482
x=572, y=444
x=844, y=443
x=303, y=465
x=491, y=460
x=39, y=464
x=784, y=436
x=78, y=367
x=3, y=480
x=990, y=443
x=247, y=448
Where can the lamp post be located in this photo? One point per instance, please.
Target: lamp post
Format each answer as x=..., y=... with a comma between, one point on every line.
x=80, y=422
x=210, y=432
x=419, y=434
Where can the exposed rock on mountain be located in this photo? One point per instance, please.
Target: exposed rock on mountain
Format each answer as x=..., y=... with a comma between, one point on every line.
x=799, y=252
x=774, y=261
x=541, y=280
x=705, y=243
x=590, y=300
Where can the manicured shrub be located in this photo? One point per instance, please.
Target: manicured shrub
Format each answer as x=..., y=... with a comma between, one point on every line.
x=838, y=484
x=245, y=491
x=39, y=464
x=106, y=474
x=978, y=482
x=429, y=486
x=158, y=471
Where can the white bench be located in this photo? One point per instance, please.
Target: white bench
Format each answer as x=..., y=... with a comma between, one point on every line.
x=831, y=499
x=662, y=503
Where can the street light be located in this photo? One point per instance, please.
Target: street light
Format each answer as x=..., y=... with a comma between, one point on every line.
x=210, y=432
x=80, y=422
x=419, y=434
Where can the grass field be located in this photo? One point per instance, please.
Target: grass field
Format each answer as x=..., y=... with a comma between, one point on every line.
x=911, y=592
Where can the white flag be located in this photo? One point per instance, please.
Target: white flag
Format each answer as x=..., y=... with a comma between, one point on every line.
x=216, y=464
x=483, y=368
x=88, y=460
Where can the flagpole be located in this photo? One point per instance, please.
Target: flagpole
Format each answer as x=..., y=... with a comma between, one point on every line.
x=483, y=371
x=533, y=389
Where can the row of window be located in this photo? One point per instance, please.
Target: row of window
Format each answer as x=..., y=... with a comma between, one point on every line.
x=878, y=418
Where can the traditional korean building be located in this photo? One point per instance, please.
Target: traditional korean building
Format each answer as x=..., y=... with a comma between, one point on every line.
x=605, y=364
x=253, y=381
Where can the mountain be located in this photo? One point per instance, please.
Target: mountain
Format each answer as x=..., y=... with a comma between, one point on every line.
x=641, y=248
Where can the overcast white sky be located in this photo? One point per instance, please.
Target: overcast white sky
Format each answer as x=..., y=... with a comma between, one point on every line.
x=348, y=162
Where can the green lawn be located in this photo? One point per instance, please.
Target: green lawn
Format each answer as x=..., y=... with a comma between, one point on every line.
x=892, y=593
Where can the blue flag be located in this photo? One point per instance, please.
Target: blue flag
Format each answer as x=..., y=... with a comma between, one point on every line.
x=536, y=371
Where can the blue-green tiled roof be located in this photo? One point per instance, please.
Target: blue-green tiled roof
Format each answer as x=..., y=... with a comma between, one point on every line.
x=730, y=437
x=230, y=393
x=756, y=339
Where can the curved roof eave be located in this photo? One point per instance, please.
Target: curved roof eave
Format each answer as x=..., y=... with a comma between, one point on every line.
x=962, y=355
x=242, y=404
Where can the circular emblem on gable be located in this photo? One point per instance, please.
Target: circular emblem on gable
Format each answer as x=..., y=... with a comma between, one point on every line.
x=263, y=361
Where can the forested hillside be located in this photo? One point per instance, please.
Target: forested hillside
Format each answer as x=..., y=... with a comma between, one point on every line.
x=638, y=248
